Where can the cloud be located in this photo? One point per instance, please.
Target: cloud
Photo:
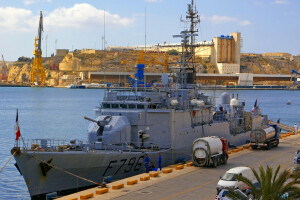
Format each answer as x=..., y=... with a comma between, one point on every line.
x=280, y=2
x=221, y=19
x=153, y=0
x=244, y=22
x=79, y=16
x=217, y=19
x=84, y=15
x=17, y=19
x=28, y=2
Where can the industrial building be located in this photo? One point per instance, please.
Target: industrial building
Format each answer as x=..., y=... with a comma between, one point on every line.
x=226, y=53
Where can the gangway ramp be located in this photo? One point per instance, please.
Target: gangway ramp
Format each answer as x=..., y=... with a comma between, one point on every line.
x=283, y=127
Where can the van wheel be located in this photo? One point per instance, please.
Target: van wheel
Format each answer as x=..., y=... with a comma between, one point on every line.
x=215, y=163
x=225, y=159
x=254, y=146
x=268, y=145
x=277, y=143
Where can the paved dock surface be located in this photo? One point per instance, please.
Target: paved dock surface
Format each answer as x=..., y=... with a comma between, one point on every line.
x=197, y=182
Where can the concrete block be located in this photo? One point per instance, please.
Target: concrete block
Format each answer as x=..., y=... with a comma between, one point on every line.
x=132, y=182
x=153, y=174
x=189, y=164
x=86, y=196
x=166, y=171
x=117, y=186
x=179, y=167
x=145, y=178
x=102, y=191
x=73, y=198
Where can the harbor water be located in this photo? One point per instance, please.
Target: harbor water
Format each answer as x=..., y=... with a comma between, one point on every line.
x=57, y=113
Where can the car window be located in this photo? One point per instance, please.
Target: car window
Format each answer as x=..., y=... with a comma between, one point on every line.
x=225, y=192
x=240, y=193
x=228, y=177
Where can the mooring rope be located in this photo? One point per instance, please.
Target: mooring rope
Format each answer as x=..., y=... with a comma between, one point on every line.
x=7, y=161
x=85, y=179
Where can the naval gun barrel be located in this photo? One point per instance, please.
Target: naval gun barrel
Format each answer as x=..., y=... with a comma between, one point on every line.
x=92, y=120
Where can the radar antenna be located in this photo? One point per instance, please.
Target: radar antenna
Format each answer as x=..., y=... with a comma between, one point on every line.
x=188, y=68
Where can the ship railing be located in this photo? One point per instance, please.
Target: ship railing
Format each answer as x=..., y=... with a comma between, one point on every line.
x=59, y=145
x=48, y=144
x=125, y=147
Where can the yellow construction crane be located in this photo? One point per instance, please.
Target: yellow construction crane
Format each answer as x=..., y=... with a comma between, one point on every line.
x=141, y=60
x=37, y=69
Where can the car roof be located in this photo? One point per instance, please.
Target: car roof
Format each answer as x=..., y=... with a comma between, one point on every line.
x=237, y=169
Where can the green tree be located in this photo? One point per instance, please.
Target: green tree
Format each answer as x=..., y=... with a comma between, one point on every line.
x=172, y=52
x=272, y=185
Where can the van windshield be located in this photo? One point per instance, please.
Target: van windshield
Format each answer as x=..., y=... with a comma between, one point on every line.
x=228, y=177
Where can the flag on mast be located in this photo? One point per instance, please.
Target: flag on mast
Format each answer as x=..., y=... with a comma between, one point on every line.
x=17, y=128
x=255, y=106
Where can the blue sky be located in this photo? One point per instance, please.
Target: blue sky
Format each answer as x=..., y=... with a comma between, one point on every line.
x=266, y=25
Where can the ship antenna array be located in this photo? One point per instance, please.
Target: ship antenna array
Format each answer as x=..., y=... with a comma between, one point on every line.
x=188, y=46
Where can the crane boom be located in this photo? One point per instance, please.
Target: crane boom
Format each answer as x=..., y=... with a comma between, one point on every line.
x=4, y=71
x=41, y=28
x=4, y=64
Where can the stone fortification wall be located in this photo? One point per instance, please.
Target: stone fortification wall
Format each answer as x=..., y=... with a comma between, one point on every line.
x=69, y=63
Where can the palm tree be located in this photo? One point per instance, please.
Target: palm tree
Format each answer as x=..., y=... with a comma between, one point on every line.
x=272, y=185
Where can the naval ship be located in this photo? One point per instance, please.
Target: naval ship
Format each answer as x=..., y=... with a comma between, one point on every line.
x=134, y=123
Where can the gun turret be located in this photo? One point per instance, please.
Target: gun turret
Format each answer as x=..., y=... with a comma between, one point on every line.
x=101, y=123
x=92, y=120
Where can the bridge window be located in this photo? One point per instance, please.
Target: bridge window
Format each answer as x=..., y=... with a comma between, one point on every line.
x=115, y=105
x=123, y=106
x=152, y=106
x=132, y=106
x=140, y=106
x=106, y=105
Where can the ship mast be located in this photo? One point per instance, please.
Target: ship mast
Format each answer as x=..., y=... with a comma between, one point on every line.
x=187, y=74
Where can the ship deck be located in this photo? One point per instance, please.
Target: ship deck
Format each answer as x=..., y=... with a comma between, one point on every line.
x=194, y=182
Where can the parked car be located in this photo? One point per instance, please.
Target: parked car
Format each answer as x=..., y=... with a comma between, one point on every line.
x=228, y=180
x=223, y=195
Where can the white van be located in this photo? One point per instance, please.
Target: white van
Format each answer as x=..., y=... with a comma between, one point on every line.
x=228, y=180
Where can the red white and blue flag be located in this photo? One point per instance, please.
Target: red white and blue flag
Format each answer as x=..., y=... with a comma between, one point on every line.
x=17, y=128
x=255, y=106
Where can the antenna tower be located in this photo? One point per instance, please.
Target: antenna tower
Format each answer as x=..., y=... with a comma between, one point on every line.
x=188, y=67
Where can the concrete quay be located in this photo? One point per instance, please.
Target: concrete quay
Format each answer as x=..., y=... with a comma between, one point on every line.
x=193, y=182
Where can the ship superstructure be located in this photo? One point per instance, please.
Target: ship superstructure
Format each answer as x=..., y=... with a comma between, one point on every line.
x=132, y=123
